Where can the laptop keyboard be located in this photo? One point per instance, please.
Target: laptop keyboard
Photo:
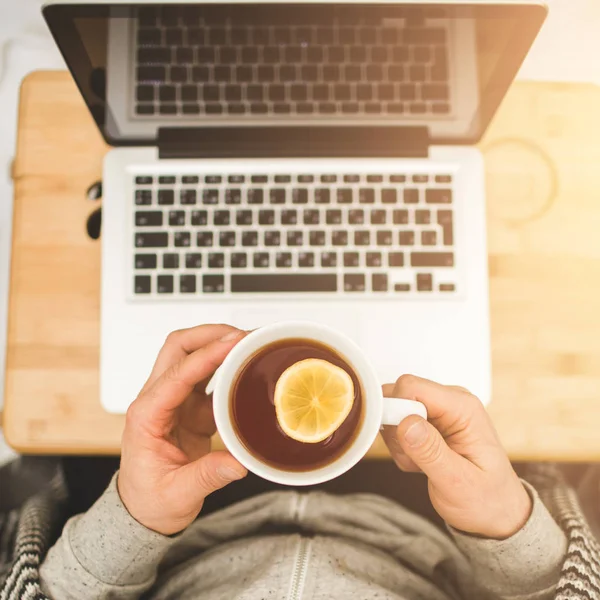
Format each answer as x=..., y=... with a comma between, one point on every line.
x=328, y=233
x=185, y=66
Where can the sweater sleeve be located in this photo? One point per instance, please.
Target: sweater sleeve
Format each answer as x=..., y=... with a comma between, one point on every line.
x=103, y=554
x=526, y=566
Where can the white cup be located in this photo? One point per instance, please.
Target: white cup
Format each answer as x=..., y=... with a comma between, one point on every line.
x=377, y=410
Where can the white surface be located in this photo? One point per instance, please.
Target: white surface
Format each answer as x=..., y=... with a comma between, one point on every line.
x=444, y=339
x=568, y=49
x=357, y=358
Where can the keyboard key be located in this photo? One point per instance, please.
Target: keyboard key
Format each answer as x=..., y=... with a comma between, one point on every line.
x=378, y=217
x=227, y=239
x=350, y=107
x=328, y=259
x=344, y=196
x=283, y=260
x=418, y=108
x=277, y=196
x=266, y=217
x=293, y=283
x=272, y=238
x=397, y=178
x=213, y=284
x=295, y=238
x=317, y=238
x=199, y=217
x=144, y=180
x=166, y=197
x=311, y=217
x=351, y=259
x=168, y=109
x=145, y=261
x=200, y=74
x=170, y=260
x=193, y=260
x=438, y=196
x=239, y=260
x=444, y=218
x=362, y=238
x=145, y=93
x=233, y=196
x=164, y=284
x=300, y=196
x=213, y=109
x=438, y=179
x=334, y=217
x=422, y=217
x=339, y=238
x=204, y=239
x=396, y=259
x=222, y=217
x=379, y=282
x=306, y=178
x=281, y=109
x=283, y=178
x=289, y=217
x=322, y=196
x=354, y=283
x=255, y=196
x=407, y=238
x=389, y=196
x=249, y=238
x=142, y=284
x=259, y=179
x=400, y=217
x=148, y=218
x=424, y=282
x=328, y=178
x=182, y=239
x=261, y=260
x=384, y=238
x=190, y=179
x=210, y=196
x=435, y=92
x=212, y=179
x=356, y=217
x=187, y=197
x=167, y=180
x=216, y=260
x=149, y=37
x=428, y=238
x=366, y=196
x=243, y=217
x=236, y=179
x=402, y=287
x=306, y=260
x=411, y=196
x=432, y=259
x=374, y=259
x=152, y=240
x=420, y=178
x=153, y=74
x=439, y=68
x=447, y=287
x=187, y=284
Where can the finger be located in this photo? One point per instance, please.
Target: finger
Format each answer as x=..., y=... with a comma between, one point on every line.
x=174, y=386
x=424, y=445
x=452, y=410
x=182, y=342
x=196, y=415
x=397, y=453
x=209, y=474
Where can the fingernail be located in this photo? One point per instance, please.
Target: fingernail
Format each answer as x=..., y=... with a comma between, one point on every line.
x=231, y=336
x=229, y=473
x=416, y=433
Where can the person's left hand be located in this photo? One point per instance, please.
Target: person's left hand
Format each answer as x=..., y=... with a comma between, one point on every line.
x=167, y=468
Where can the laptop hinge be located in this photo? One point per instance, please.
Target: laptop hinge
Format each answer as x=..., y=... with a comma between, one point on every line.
x=294, y=142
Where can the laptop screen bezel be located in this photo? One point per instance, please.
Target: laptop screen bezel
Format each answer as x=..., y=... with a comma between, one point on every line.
x=60, y=17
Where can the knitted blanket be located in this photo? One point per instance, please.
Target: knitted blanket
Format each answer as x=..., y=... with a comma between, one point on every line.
x=28, y=531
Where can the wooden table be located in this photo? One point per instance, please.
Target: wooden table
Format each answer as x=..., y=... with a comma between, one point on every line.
x=543, y=171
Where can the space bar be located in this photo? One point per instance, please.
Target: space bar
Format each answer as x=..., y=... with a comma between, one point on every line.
x=284, y=283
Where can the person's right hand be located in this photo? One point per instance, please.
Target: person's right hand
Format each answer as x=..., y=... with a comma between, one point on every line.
x=472, y=484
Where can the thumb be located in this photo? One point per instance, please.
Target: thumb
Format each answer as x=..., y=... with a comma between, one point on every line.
x=211, y=473
x=426, y=447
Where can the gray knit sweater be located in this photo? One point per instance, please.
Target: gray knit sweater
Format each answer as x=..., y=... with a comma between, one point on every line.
x=286, y=545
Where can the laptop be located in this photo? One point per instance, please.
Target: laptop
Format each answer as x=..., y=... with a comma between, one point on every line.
x=314, y=161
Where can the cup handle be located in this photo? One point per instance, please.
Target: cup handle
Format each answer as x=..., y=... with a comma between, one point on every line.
x=395, y=410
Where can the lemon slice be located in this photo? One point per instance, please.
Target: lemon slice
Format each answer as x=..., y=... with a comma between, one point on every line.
x=312, y=399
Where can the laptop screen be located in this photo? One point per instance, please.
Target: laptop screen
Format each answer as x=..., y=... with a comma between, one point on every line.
x=142, y=68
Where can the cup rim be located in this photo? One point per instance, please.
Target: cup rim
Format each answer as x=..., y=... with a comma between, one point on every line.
x=342, y=344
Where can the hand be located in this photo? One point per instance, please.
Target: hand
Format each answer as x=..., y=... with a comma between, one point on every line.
x=167, y=468
x=472, y=484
